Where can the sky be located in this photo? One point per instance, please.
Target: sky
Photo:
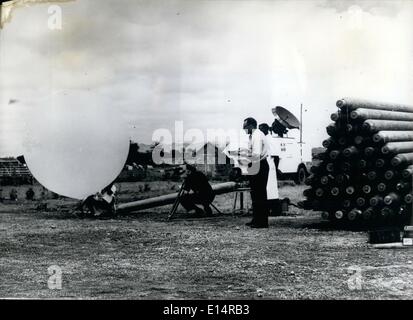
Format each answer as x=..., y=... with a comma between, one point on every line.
x=209, y=64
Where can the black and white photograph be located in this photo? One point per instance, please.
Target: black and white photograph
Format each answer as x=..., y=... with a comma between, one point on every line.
x=186, y=151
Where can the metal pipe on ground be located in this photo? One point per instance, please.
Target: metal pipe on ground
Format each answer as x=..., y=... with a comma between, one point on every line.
x=397, y=147
x=335, y=116
x=164, y=200
x=408, y=172
x=378, y=125
x=351, y=104
x=365, y=114
x=404, y=158
x=393, y=136
x=374, y=167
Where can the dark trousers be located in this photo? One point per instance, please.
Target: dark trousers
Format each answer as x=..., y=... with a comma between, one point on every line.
x=274, y=206
x=189, y=201
x=258, y=185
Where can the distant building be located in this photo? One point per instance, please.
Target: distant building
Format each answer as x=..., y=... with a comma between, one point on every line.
x=209, y=159
x=139, y=154
x=206, y=157
x=12, y=171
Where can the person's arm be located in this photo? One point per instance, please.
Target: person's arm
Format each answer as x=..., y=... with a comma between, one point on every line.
x=257, y=145
x=249, y=156
x=187, y=183
x=204, y=185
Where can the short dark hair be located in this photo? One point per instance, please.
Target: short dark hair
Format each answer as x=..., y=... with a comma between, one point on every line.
x=190, y=167
x=251, y=122
x=264, y=126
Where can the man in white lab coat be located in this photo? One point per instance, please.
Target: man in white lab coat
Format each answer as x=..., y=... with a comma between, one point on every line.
x=258, y=170
x=272, y=185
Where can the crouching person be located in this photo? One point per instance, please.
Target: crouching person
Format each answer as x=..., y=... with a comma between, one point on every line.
x=203, y=194
x=102, y=204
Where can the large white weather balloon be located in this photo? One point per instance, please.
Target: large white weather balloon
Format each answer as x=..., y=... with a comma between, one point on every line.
x=75, y=143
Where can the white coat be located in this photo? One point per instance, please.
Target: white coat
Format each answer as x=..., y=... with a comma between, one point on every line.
x=272, y=183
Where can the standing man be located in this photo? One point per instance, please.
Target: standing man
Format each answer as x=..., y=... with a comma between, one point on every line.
x=202, y=192
x=258, y=170
x=273, y=201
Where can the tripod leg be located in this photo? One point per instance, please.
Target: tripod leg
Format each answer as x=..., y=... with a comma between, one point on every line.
x=174, y=208
x=216, y=209
x=235, y=201
x=176, y=203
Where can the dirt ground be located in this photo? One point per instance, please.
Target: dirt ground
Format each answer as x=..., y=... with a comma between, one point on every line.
x=143, y=256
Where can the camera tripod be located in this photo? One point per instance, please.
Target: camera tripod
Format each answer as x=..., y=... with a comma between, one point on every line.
x=177, y=201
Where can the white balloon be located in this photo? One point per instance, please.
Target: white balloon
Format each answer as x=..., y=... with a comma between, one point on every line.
x=75, y=144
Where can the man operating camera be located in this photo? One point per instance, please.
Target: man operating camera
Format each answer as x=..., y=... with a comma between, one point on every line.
x=203, y=194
